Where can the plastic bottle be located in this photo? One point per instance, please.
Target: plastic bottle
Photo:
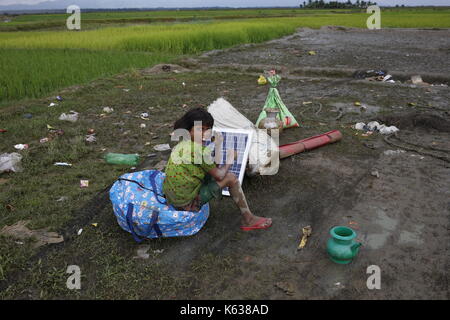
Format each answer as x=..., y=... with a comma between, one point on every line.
x=118, y=158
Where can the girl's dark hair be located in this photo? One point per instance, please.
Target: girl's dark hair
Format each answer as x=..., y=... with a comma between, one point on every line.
x=197, y=114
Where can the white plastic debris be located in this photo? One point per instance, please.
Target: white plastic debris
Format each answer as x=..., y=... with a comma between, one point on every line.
x=91, y=138
x=393, y=152
x=80, y=231
x=360, y=126
x=63, y=164
x=72, y=116
x=52, y=104
x=143, y=125
x=21, y=146
x=388, y=130
x=10, y=162
x=373, y=125
x=108, y=109
x=162, y=147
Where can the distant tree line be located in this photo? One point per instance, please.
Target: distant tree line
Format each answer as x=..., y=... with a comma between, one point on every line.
x=320, y=4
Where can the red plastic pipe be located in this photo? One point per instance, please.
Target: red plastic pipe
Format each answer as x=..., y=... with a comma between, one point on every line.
x=318, y=141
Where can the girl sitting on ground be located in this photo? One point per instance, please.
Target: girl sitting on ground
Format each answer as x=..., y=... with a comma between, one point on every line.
x=193, y=179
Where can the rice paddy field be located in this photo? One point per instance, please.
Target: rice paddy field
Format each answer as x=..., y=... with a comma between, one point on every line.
x=36, y=63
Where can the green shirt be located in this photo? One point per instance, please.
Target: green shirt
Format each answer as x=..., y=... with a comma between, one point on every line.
x=188, y=164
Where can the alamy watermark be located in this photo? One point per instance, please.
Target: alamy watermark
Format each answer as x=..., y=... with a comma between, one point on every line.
x=374, y=280
x=74, y=280
x=73, y=22
x=182, y=153
x=374, y=21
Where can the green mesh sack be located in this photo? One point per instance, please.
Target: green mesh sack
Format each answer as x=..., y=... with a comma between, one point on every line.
x=274, y=101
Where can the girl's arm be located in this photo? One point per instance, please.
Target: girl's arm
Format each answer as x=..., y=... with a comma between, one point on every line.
x=219, y=173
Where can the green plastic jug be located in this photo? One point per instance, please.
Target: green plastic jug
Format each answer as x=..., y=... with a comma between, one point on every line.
x=341, y=247
x=118, y=158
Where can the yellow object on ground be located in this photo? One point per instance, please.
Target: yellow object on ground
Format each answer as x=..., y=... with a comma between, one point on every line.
x=262, y=80
x=306, y=233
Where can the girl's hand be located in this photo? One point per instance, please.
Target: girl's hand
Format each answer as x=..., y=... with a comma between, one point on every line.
x=231, y=156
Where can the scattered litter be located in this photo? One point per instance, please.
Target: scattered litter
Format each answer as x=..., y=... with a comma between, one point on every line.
x=339, y=285
x=393, y=152
x=358, y=104
x=63, y=164
x=312, y=53
x=119, y=158
x=21, y=146
x=418, y=80
x=91, y=131
x=145, y=116
x=72, y=117
x=375, y=173
x=42, y=236
x=28, y=116
x=126, y=90
x=306, y=102
x=143, y=125
x=158, y=251
x=412, y=104
x=59, y=98
x=84, y=183
x=142, y=252
x=262, y=80
x=184, y=84
x=151, y=155
x=287, y=287
x=52, y=104
x=388, y=130
x=91, y=138
x=79, y=232
x=62, y=199
x=95, y=224
x=162, y=147
x=420, y=157
x=366, y=74
x=306, y=233
x=10, y=162
x=374, y=126
x=3, y=130
x=44, y=140
x=108, y=109
x=360, y=126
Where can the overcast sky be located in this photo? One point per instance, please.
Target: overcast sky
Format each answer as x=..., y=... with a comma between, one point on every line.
x=207, y=3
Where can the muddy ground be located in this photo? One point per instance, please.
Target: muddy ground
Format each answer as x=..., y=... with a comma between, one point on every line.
x=401, y=217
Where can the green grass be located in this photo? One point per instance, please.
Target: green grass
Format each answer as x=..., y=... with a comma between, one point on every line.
x=36, y=63
x=34, y=73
